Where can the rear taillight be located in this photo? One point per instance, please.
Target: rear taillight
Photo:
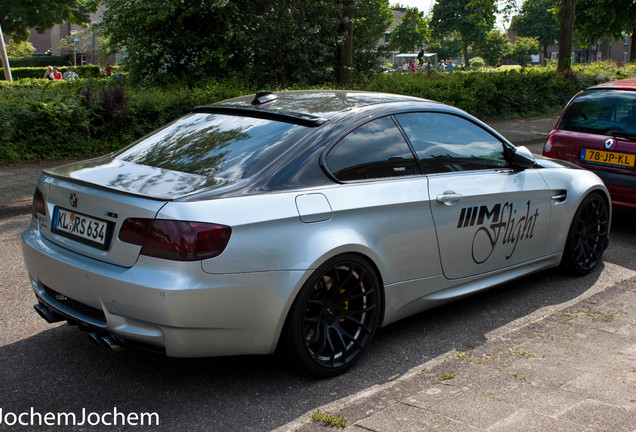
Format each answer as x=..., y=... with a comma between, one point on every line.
x=176, y=240
x=548, y=148
x=38, y=206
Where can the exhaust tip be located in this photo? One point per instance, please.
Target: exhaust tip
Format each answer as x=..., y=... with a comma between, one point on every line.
x=110, y=344
x=47, y=314
x=94, y=338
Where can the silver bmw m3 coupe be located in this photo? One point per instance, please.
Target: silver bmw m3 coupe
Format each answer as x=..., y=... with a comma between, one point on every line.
x=302, y=220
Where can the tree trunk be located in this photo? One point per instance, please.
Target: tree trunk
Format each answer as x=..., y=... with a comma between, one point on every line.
x=465, y=52
x=632, y=52
x=566, y=29
x=345, y=51
x=5, y=59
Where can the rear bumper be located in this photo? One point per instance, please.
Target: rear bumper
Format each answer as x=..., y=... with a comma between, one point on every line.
x=622, y=188
x=166, y=306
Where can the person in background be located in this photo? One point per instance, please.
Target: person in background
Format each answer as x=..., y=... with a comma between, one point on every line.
x=70, y=75
x=57, y=75
x=49, y=73
x=420, y=58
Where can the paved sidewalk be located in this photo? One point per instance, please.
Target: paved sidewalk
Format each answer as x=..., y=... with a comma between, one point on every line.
x=17, y=183
x=574, y=370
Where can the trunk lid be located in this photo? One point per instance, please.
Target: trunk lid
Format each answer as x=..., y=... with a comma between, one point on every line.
x=87, y=202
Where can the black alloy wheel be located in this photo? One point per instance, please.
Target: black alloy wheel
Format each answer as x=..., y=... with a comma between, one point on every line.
x=588, y=235
x=335, y=315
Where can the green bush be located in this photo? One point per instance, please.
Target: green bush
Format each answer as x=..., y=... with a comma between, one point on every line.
x=40, y=60
x=477, y=63
x=75, y=119
x=501, y=94
x=19, y=73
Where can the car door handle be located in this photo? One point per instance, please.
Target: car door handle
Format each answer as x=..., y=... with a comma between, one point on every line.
x=448, y=198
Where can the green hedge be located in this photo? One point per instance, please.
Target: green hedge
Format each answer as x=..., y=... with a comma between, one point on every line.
x=45, y=119
x=71, y=119
x=40, y=60
x=19, y=73
x=487, y=95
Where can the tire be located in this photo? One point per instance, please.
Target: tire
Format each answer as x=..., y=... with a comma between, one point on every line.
x=588, y=235
x=335, y=316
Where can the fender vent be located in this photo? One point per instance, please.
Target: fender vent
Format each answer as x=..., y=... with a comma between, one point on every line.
x=559, y=196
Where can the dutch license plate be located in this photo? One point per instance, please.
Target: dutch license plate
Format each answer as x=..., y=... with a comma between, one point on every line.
x=608, y=158
x=77, y=226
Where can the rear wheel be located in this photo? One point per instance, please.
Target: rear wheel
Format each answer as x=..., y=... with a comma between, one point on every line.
x=588, y=235
x=335, y=316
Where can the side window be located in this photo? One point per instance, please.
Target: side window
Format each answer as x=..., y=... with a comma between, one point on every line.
x=374, y=150
x=445, y=142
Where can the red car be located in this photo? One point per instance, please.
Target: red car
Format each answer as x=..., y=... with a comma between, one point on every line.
x=597, y=131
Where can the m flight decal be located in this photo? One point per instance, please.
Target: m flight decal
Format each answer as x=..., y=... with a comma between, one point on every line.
x=499, y=225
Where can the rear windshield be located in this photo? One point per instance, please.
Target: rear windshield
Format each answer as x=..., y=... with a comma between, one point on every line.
x=603, y=113
x=213, y=145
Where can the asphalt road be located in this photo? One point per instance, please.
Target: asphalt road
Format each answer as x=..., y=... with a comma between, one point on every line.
x=54, y=368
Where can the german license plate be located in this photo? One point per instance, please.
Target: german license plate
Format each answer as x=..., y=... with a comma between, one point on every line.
x=77, y=226
x=608, y=158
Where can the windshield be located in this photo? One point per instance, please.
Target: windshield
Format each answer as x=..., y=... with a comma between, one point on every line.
x=602, y=113
x=213, y=145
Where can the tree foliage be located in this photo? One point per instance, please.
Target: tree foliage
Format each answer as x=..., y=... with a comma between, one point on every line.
x=495, y=47
x=371, y=21
x=291, y=41
x=537, y=20
x=598, y=19
x=411, y=32
x=471, y=20
x=20, y=15
x=446, y=48
x=169, y=40
x=19, y=49
x=372, y=18
x=267, y=42
x=523, y=48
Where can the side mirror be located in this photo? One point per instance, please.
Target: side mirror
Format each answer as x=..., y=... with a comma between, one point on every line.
x=522, y=158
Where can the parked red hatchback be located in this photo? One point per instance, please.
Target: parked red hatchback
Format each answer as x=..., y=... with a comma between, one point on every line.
x=597, y=131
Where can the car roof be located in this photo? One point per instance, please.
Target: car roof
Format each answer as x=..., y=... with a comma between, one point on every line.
x=626, y=84
x=312, y=105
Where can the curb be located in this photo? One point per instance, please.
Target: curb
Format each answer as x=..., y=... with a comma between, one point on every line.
x=434, y=380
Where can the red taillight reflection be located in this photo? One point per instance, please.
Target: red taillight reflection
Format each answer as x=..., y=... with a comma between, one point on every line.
x=176, y=240
x=38, y=207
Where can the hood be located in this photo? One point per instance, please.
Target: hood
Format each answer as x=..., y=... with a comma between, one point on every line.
x=545, y=162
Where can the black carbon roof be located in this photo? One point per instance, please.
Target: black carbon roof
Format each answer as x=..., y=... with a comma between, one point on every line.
x=312, y=104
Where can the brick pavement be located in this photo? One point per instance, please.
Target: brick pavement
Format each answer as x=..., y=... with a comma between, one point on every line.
x=574, y=370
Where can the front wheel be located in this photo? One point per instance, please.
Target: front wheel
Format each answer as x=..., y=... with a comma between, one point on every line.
x=335, y=316
x=588, y=235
